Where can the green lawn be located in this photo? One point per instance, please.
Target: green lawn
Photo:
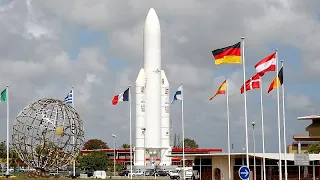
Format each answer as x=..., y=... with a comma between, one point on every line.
x=22, y=176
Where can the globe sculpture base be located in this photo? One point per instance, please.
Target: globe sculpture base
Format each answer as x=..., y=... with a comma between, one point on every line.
x=38, y=174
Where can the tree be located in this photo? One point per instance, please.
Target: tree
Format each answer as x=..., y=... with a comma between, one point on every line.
x=95, y=144
x=314, y=148
x=188, y=142
x=119, y=166
x=94, y=161
x=177, y=143
x=125, y=146
x=3, y=150
x=14, y=158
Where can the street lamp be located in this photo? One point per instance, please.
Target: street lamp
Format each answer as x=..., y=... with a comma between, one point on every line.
x=114, y=154
x=254, y=151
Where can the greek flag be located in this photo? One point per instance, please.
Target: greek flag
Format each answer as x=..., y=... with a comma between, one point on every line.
x=69, y=98
x=177, y=95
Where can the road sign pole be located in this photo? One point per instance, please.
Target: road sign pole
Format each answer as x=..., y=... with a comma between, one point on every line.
x=299, y=151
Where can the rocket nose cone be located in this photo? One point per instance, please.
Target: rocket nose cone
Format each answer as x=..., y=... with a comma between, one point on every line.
x=152, y=16
x=152, y=11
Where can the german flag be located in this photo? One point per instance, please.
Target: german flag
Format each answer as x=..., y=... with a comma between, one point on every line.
x=221, y=90
x=277, y=81
x=228, y=55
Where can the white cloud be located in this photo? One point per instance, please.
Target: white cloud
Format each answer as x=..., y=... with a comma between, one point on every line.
x=38, y=60
x=298, y=102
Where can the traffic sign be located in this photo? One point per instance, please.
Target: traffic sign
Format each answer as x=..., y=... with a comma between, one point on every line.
x=244, y=172
x=301, y=159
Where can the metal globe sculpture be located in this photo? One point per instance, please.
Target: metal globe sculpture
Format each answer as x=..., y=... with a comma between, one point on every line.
x=48, y=134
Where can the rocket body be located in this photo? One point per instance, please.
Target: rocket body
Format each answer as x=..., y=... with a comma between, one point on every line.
x=152, y=66
x=152, y=96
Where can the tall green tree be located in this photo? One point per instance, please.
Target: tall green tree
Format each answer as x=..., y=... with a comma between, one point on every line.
x=14, y=158
x=119, y=166
x=314, y=148
x=94, y=161
x=125, y=146
x=3, y=150
x=95, y=144
x=188, y=142
x=177, y=143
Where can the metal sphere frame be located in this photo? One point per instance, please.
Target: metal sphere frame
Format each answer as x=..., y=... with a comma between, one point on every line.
x=43, y=134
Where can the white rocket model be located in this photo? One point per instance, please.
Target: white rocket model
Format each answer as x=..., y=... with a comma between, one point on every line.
x=152, y=97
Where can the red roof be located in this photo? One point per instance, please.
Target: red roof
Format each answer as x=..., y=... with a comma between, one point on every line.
x=128, y=159
x=174, y=150
x=196, y=150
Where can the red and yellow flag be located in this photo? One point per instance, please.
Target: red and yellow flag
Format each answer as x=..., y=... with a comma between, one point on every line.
x=277, y=81
x=228, y=55
x=221, y=90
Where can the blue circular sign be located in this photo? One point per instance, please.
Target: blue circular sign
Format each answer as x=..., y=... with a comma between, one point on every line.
x=244, y=172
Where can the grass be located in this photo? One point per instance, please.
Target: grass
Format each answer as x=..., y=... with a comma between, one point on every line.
x=22, y=176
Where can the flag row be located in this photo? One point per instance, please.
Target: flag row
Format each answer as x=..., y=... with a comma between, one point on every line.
x=232, y=55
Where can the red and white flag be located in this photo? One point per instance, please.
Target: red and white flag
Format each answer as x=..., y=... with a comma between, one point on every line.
x=266, y=64
x=252, y=83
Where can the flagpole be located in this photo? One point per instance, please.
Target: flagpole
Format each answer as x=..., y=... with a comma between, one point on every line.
x=262, y=129
x=228, y=128
x=284, y=130
x=130, y=124
x=279, y=124
x=7, y=99
x=73, y=141
x=245, y=100
x=182, y=124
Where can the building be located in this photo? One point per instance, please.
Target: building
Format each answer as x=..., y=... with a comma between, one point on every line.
x=123, y=155
x=313, y=129
x=305, y=140
x=293, y=148
x=215, y=166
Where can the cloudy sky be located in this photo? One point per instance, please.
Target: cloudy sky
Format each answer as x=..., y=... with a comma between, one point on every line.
x=46, y=47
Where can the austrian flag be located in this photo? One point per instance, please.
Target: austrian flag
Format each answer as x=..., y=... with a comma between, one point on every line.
x=266, y=64
x=121, y=97
x=252, y=83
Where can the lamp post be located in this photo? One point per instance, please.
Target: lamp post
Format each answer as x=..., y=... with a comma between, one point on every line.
x=114, y=154
x=254, y=151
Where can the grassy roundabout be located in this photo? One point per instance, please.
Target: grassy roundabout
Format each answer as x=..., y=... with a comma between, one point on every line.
x=22, y=176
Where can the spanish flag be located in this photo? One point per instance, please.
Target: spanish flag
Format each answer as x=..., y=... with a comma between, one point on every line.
x=277, y=81
x=222, y=89
x=228, y=55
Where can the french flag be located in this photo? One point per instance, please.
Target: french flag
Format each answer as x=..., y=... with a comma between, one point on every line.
x=121, y=97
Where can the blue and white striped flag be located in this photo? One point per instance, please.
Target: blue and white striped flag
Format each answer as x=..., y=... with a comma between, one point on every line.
x=69, y=98
x=177, y=95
